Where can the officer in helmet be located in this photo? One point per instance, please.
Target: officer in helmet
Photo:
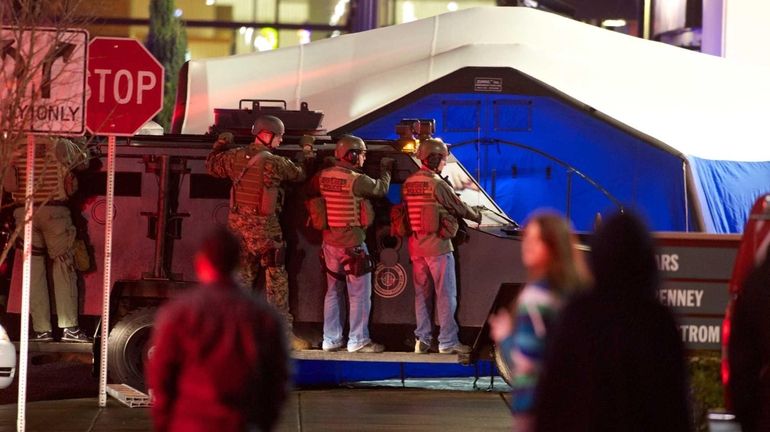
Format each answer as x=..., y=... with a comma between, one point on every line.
x=433, y=211
x=344, y=191
x=256, y=198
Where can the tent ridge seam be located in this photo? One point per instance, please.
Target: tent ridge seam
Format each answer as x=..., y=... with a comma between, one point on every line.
x=300, y=68
x=433, y=46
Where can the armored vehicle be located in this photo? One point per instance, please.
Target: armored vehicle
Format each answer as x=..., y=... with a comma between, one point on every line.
x=165, y=202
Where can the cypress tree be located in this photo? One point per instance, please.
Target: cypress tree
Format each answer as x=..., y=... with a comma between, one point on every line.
x=167, y=41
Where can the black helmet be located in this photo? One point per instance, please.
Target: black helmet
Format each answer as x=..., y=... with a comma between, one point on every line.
x=268, y=123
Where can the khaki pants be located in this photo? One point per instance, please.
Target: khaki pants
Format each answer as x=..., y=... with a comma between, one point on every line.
x=53, y=232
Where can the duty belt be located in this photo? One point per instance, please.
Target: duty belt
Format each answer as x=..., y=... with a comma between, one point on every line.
x=51, y=203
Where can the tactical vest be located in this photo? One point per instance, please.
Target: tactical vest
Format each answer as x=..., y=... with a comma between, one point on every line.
x=343, y=208
x=418, y=192
x=249, y=190
x=50, y=175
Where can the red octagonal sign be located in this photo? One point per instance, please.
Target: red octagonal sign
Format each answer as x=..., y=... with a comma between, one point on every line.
x=125, y=86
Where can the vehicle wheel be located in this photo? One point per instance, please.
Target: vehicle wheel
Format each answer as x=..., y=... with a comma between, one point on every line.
x=502, y=366
x=129, y=344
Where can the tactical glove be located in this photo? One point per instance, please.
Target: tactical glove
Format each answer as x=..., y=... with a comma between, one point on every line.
x=478, y=209
x=307, y=145
x=224, y=140
x=387, y=164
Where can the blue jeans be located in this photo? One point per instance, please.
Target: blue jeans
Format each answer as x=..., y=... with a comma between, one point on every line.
x=360, y=298
x=435, y=272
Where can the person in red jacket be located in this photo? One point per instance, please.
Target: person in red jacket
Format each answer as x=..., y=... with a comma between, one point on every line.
x=220, y=357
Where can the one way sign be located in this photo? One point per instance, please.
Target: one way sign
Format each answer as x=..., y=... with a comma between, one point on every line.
x=43, y=81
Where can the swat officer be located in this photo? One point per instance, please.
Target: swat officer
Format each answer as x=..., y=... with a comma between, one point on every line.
x=256, y=198
x=344, y=190
x=433, y=210
x=53, y=233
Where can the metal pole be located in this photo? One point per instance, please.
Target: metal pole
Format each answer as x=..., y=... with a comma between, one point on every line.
x=161, y=220
x=29, y=203
x=109, y=215
x=647, y=16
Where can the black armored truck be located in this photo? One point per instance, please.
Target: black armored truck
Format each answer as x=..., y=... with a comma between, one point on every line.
x=165, y=202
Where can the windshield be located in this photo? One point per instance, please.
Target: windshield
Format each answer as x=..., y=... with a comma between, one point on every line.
x=472, y=194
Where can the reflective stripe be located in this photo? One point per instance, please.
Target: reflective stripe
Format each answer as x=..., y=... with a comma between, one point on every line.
x=418, y=191
x=343, y=208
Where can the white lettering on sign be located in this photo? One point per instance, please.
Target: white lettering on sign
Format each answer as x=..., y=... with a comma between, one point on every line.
x=129, y=86
x=59, y=113
x=680, y=297
x=667, y=262
x=124, y=86
x=146, y=83
x=700, y=333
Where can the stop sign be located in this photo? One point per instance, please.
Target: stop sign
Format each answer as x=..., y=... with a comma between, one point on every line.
x=125, y=86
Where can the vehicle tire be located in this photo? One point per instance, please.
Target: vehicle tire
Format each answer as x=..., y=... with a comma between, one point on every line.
x=505, y=372
x=129, y=344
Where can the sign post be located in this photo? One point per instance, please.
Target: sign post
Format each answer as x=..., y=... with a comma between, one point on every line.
x=126, y=84
x=45, y=76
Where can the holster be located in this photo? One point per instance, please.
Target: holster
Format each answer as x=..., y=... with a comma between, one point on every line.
x=338, y=276
x=358, y=262
x=81, y=256
x=274, y=257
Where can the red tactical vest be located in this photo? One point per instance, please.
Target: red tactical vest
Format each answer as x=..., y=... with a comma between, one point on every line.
x=418, y=192
x=343, y=208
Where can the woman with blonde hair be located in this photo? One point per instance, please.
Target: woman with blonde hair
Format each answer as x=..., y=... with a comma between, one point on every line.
x=555, y=270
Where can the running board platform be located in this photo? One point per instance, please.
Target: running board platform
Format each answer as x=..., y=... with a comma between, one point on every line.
x=387, y=356
x=128, y=395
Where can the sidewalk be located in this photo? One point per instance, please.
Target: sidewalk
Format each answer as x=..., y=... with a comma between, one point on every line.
x=338, y=409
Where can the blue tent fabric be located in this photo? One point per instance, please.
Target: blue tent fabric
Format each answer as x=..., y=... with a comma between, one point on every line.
x=529, y=152
x=727, y=189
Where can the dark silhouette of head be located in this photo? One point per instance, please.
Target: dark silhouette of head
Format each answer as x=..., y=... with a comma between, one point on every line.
x=217, y=257
x=623, y=257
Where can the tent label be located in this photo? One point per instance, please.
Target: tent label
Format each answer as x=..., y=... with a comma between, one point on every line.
x=488, y=85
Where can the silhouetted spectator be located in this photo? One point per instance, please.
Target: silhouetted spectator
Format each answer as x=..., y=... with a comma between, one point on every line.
x=616, y=361
x=749, y=351
x=220, y=359
x=554, y=271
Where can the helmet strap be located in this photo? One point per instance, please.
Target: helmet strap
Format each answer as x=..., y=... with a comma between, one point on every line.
x=433, y=161
x=265, y=132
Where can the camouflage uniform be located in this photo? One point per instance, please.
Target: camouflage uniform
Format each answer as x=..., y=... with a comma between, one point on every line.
x=261, y=233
